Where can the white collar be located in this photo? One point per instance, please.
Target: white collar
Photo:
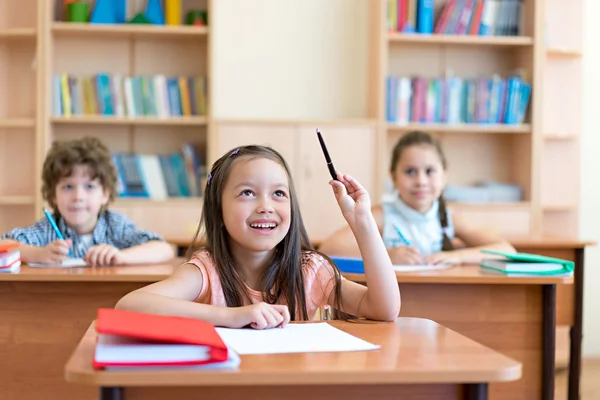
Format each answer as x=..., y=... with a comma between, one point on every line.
x=415, y=216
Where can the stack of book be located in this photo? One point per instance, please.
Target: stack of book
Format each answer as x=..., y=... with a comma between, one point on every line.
x=526, y=264
x=10, y=257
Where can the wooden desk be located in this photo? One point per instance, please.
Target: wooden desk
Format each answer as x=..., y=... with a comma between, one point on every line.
x=44, y=313
x=569, y=298
x=418, y=359
x=513, y=315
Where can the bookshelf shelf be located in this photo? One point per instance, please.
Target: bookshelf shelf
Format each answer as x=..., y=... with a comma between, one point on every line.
x=560, y=207
x=563, y=52
x=463, y=128
x=521, y=205
x=17, y=200
x=559, y=137
x=18, y=33
x=101, y=120
x=467, y=40
x=67, y=29
x=17, y=123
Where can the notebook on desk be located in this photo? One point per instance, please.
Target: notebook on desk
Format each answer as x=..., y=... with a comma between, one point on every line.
x=526, y=264
x=351, y=265
x=68, y=263
x=129, y=339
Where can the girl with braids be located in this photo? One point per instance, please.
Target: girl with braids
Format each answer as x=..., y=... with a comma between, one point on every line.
x=416, y=227
x=258, y=268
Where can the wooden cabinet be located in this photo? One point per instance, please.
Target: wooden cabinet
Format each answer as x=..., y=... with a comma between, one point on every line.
x=352, y=149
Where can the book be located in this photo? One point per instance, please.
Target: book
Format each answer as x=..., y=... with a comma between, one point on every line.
x=356, y=266
x=133, y=339
x=68, y=263
x=525, y=263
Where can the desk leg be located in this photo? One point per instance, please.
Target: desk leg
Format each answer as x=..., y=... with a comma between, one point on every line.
x=576, y=329
x=476, y=391
x=549, y=341
x=111, y=393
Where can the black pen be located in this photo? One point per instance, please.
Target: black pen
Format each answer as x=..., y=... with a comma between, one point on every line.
x=327, y=158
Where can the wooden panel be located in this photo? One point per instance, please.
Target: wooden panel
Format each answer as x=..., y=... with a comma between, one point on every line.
x=507, y=319
x=40, y=325
x=171, y=58
x=281, y=137
x=18, y=14
x=561, y=222
x=21, y=163
x=352, y=150
x=344, y=392
x=564, y=24
x=17, y=72
x=92, y=55
x=560, y=176
x=12, y=216
x=173, y=218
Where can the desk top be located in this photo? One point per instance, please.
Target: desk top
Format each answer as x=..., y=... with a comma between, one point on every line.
x=150, y=273
x=413, y=350
x=471, y=274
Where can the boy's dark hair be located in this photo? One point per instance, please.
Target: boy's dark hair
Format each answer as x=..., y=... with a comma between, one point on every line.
x=63, y=156
x=283, y=278
x=417, y=138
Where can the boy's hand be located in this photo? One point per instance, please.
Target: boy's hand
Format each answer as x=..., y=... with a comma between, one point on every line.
x=55, y=252
x=259, y=316
x=352, y=198
x=102, y=255
x=405, y=255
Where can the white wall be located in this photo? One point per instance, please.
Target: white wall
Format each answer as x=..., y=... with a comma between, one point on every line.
x=590, y=174
x=288, y=59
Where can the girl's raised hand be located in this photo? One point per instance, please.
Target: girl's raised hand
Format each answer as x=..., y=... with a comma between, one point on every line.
x=352, y=198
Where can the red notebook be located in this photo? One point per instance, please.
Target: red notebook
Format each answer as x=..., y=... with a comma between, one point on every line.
x=127, y=338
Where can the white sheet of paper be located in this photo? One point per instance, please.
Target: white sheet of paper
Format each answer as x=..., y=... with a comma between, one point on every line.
x=68, y=263
x=294, y=338
x=409, y=268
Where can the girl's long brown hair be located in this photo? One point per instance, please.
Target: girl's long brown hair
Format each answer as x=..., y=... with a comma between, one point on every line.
x=283, y=279
x=417, y=138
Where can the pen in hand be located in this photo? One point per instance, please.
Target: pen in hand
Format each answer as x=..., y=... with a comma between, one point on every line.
x=55, y=227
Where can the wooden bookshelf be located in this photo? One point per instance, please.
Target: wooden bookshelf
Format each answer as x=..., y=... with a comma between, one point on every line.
x=17, y=33
x=17, y=123
x=19, y=69
x=107, y=120
x=541, y=154
x=68, y=29
x=528, y=154
x=467, y=40
x=463, y=128
x=17, y=200
x=35, y=45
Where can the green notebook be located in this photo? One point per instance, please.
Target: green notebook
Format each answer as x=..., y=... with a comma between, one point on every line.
x=525, y=263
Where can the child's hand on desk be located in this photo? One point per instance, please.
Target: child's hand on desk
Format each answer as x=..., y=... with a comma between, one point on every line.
x=259, y=316
x=352, y=198
x=405, y=255
x=443, y=257
x=103, y=254
x=55, y=252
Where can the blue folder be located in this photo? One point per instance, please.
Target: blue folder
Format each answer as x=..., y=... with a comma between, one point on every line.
x=349, y=265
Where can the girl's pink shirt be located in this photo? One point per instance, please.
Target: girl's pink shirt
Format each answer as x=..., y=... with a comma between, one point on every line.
x=319, y=281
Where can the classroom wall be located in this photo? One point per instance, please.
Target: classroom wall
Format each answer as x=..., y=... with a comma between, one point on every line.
x=590, y=184
x=290, y=59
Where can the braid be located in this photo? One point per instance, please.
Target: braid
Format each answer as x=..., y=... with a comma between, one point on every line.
x=443, y=215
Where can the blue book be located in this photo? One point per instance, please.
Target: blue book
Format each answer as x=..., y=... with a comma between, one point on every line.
x=425, y=16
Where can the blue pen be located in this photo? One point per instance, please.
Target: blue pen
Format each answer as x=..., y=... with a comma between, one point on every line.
x=54, y=226
x=404, y=239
